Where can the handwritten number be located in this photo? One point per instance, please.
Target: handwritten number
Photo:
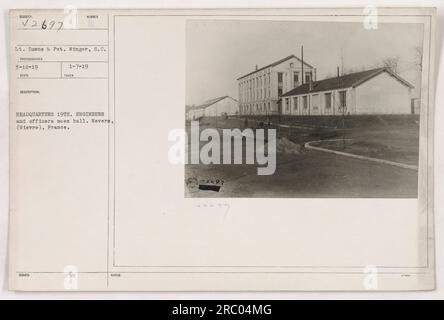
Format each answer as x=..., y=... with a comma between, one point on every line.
x=45, y=24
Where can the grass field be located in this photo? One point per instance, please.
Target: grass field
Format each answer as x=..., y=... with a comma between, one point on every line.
x=313, y=174
x=389, y=137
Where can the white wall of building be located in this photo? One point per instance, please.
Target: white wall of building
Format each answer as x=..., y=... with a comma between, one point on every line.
x=194, y=114
x=383, y=94
x=258, y=92
x=227, y=105
x=317, y=105
x=288, y=68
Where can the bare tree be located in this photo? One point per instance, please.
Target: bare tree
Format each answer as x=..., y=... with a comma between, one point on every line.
x=418, y=57
x=391, y=63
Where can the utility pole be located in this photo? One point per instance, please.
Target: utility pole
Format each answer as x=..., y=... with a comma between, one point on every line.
x=342, y=61
x=216, y=115
x=344, y=111
x=342, y=105
x=302, y=64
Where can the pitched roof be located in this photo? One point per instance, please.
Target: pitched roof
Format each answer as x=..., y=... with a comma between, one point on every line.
x=207, y=103
x=342, y=82
x=275, y=64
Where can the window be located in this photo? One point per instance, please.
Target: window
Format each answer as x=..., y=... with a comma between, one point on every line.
x=315, y=102
x=280, y=83
x=295, y=103
x=305, y=102
x=327, y=97
x=308, y=77
x=287, y=104
x=343, y=99
x=295, y=79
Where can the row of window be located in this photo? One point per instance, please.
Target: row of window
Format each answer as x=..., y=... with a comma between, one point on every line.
x=295, y=81
x=258, y=88
x=305, y=101
x=255, y=88
x=257, y=94
x=287, y=106
x=257, y=82
x=294, y=103
x=255, y=108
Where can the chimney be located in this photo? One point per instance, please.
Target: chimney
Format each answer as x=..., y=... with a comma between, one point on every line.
x=338, y=71
x=256, y=67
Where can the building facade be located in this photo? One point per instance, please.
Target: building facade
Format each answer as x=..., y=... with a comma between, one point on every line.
x=260, y=90
x=376, y=91
x=225, y=105
x=194, y=113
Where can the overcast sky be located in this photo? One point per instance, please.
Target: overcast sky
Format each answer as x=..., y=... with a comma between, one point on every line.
x=220, y=51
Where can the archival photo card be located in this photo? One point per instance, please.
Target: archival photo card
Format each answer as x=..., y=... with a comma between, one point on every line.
x=222, y=149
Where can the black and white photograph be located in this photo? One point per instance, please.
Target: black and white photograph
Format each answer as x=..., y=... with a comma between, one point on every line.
x=326, y=109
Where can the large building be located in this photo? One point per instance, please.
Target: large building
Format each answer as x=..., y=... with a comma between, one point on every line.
x=260, y=90
x=376, y=91
x=215, y=107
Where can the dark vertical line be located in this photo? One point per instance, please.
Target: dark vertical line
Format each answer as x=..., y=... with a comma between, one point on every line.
x=114, y=141
x=302, y=64
x=107, y=235
x=428, y=142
